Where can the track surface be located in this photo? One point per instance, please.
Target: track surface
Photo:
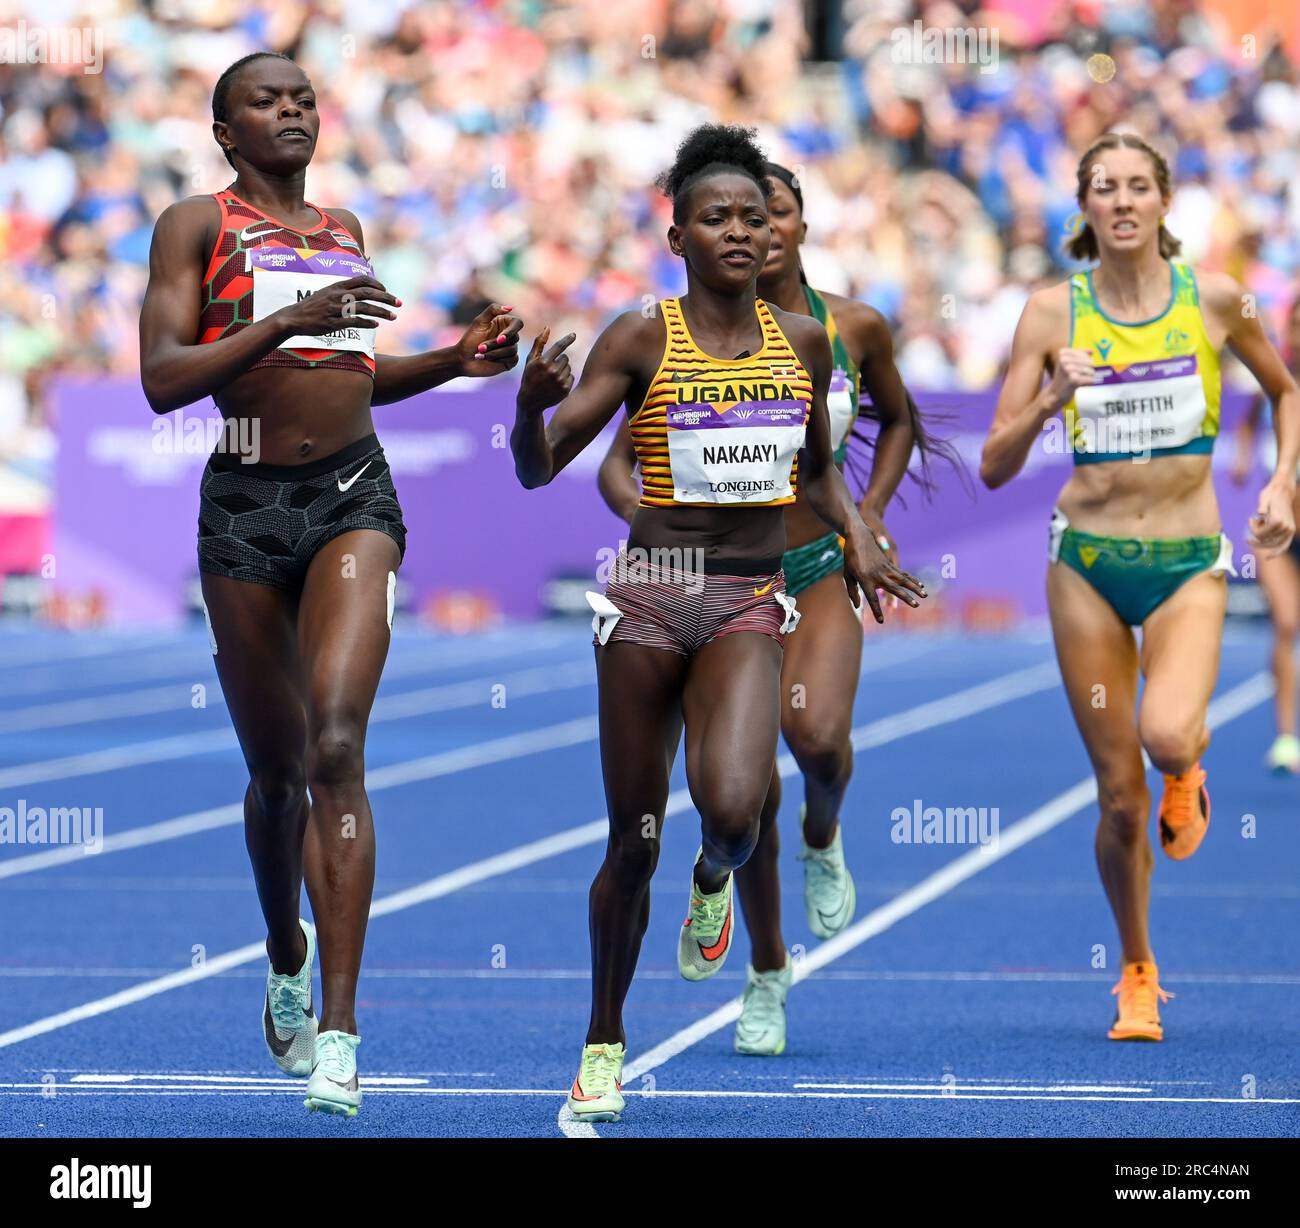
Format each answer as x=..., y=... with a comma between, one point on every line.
x=965, y=1000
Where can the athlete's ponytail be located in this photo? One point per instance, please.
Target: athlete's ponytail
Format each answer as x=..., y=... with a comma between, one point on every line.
x=1083, y=245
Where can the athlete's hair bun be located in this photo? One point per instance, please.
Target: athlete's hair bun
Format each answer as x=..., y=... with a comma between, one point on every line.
x=708, y=150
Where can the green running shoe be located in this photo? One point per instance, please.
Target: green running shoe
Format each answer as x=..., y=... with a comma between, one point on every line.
x=760, y=1030
x=706, y=933
x=288, y=1021
x=597, y=1091
x=333, y=1086
x=829, y=896
x=1284, y=754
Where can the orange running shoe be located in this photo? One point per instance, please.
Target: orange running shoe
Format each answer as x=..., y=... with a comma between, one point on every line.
x=1184, y=813
x=1137, y=1017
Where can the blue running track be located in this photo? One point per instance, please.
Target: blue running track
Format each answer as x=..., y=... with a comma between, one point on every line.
x=968, y=998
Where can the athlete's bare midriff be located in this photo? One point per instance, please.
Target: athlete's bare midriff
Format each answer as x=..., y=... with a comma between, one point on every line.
x=302, y=414
x=720, y=533
x=1163, y=496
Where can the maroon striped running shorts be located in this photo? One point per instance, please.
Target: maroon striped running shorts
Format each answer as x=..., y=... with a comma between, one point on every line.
x=663, y=606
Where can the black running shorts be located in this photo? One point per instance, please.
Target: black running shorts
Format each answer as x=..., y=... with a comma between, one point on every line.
x=265, y=523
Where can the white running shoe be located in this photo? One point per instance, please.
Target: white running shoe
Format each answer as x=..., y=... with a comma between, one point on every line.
x=829, y=896
x=760, y=1030
x=334, y=1086
x=288, y=1021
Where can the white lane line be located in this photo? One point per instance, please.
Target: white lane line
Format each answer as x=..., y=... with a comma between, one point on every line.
x=954, y=707
x=1242, y=698
x=177, y=699
x=94, y=644
x=1279, y=980
x=390, y=708
x=999, y=690
x=286, y=1087
x=429, y=767
x=189, y=659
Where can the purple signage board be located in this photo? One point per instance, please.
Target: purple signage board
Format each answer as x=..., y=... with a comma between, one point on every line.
x=126, y=503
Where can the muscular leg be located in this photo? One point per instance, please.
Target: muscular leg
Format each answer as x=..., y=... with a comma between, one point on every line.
x=257, y=663
x=343, y=636
x=732, y=707
x=822, y=658
x=1280, y=579
x=640, y=723
x=1180, y=661
x=1099, y=666
x=758, y=883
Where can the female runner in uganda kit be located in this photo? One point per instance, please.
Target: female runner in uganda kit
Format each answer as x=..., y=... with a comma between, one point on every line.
x=726, y=401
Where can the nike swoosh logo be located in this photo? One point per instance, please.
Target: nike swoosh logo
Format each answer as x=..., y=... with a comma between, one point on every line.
x=763, y=592
x=277, y=1046
x=712, y=953
x=578, y=1094
x=348, y=484
x=349, y=1086
x=249, y=233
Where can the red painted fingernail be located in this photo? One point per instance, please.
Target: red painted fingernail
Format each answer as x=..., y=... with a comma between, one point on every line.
x=507, y=308
x=482, y=347
x=399, y=302
x=501, y=338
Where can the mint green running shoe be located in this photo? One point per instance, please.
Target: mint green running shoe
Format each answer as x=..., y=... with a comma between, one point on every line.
x=1284, y=754
x=333, y=1086
x=597, y=1091
x=706, y=934
x=760, y=1030
x=288, y=1021
x=829, y=896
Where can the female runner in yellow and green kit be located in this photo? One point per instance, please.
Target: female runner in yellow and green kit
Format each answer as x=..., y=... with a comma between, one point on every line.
x=819, y=673
x=1131, y=348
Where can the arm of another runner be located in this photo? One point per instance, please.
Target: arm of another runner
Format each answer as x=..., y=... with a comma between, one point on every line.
x=1024, y=405
x=1273, y=524
x=542, y=449
x=867, y=568
x=616, y=477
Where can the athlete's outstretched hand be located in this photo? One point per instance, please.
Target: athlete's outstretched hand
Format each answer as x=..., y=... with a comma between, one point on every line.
x=345, y=304
x=490, y=344
x=1273, y=524
x=867, y=569
x=547, y=376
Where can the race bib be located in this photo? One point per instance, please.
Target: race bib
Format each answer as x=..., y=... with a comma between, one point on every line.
x=739, y=454
x=283, y=276
x=1141, y=407
x=841, y=408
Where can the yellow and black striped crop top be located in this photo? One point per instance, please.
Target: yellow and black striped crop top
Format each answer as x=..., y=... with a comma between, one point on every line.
x=714, y=431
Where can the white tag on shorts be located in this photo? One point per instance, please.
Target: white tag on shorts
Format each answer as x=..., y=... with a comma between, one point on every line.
x=283, y=276
x=392, y=597
x=212, y=639
x=792, y=615
x=840, y=407
x=607, y=616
